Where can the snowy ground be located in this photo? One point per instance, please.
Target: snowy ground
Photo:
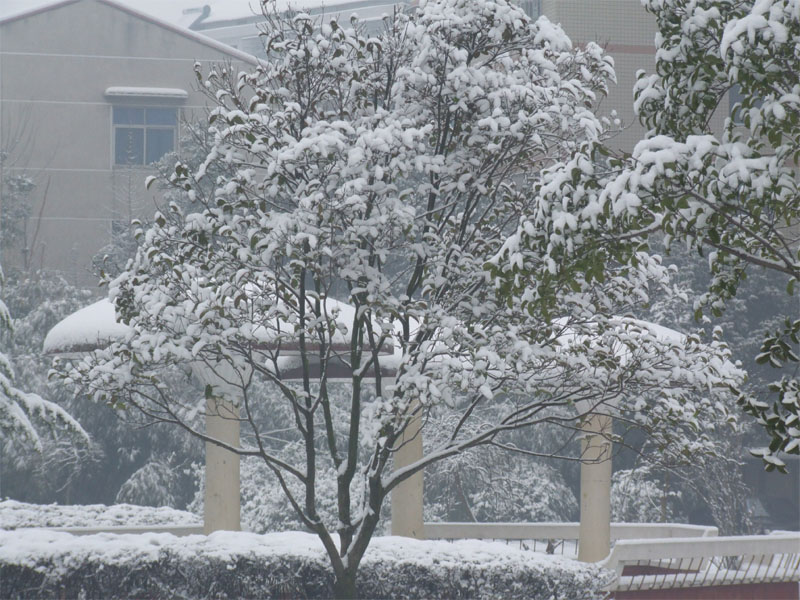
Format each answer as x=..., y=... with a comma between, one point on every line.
x=14, y=515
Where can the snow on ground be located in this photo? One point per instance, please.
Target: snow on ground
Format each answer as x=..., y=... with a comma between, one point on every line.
x=14, y=515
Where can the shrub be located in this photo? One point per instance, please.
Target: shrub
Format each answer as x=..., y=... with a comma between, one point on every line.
x=36, y=563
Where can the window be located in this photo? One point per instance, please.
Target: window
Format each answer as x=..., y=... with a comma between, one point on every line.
x=533, y=8
x=143, y=135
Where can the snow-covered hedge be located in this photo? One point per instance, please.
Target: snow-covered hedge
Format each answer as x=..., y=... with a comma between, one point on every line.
x=37, y=563
x=15, y=514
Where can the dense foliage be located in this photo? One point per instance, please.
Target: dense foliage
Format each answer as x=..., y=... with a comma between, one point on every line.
x=22, y=414
x=728, y=189
x=359, y=227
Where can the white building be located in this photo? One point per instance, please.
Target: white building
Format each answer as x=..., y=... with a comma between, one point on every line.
x=91, y=93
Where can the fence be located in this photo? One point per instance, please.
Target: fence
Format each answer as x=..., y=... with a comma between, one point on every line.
x=659, y=564
x=558, y=538
x=645, y=556
x=179, y=530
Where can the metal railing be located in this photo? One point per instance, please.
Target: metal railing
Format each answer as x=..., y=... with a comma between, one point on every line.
x=558, y=538
x=178, y=530
x=715, y=561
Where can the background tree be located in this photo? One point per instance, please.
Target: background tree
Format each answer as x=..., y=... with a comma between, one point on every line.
x=732, y=196
x=760, y=305
x=67, y=470
x=496, y=483
x=373, y=180
x=127, y=461
x=22, y=413
x=18, y=186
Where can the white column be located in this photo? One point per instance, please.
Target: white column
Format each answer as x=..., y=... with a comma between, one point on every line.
x=407, y=496
x=595, y=528
x=222, y=500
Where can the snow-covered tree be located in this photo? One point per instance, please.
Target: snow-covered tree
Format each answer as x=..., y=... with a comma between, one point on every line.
x=21, y=412
x=66, y=471
x=641, y=496
x=365, y=231
x=732, y=194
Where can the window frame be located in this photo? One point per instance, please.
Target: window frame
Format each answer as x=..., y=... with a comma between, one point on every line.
x=144, y=127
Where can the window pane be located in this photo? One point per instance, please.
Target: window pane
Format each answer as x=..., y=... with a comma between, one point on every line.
x=162, y=116
x=128, y=145
x=125, y=115
x=159, y=142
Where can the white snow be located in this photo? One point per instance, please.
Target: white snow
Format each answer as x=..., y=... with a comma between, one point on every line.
x=59, y=551
x=14, y=515
x=24, y=541
x=151, y=92
x=86, y=329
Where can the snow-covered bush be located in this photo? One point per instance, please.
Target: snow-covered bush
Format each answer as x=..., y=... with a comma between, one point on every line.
x=157, y=483
x=14, y=515
x=226, y=565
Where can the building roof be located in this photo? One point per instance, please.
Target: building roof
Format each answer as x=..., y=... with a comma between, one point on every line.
x=221, y=13
x=15, y=10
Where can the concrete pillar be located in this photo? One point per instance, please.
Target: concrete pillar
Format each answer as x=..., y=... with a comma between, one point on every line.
x=407, y=497
x=222, y=500
x=595, y=528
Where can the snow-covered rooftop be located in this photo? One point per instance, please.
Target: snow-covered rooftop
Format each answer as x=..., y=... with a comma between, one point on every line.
x=96, y=326
x=239, y=9
x=177, y=12
x=84, y=330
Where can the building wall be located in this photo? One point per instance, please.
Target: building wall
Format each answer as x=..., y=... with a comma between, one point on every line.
x=55, y=67
x=627, y=32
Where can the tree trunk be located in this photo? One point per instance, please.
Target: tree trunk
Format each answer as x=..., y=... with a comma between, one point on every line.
x=344, y=586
